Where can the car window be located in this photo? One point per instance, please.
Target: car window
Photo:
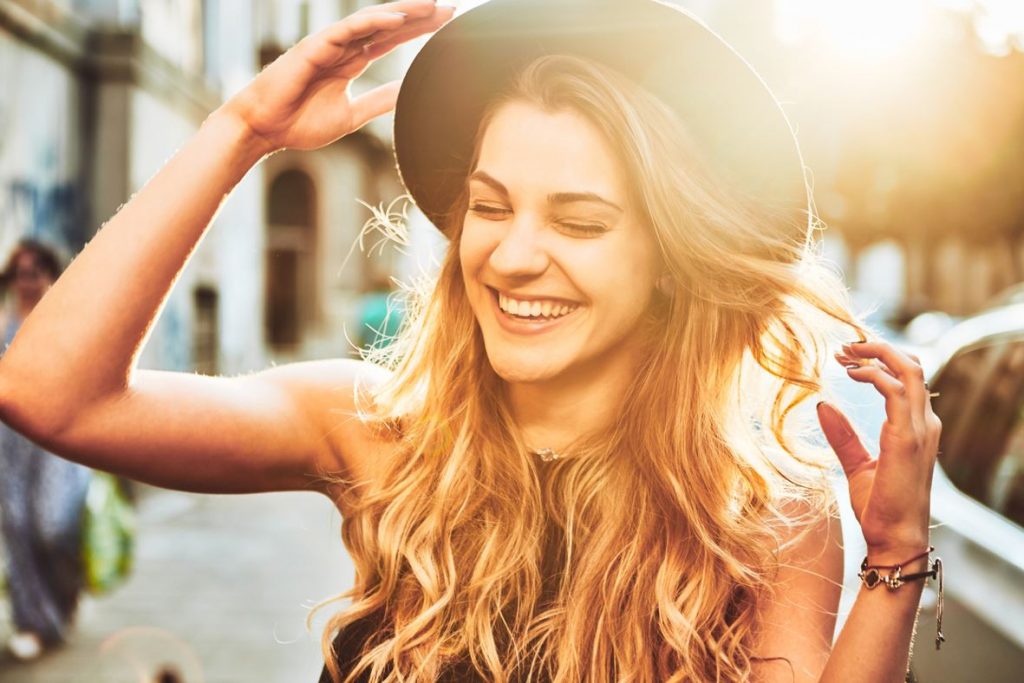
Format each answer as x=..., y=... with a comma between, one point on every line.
x=981, y=405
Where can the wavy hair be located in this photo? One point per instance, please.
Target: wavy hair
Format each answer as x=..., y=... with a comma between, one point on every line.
x=645, y=554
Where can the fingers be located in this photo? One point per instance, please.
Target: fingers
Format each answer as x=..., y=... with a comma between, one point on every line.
x=849, y=362
x=900, y=363
x=898, y=376
x=377, y=20
x=373, y=103
x=347, y=47
x=842, y=438
x=360, y=25
x=372, y=33
x=417, y=8
x=897, y=405
x=385, y=41
x=897, y=363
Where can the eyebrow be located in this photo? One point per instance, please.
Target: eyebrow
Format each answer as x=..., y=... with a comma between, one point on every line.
x=554, y=198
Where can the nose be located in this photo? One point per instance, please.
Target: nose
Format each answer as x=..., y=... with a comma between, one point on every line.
x=520, y=253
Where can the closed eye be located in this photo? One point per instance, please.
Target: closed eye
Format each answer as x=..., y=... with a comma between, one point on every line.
x=588, y=230
x=579, y=229
x=488, y=210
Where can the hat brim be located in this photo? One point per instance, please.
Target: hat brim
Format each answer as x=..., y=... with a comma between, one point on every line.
x=729, y=111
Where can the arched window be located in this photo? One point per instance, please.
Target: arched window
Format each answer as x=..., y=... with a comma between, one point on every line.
x=205, y=337
x=291, y=294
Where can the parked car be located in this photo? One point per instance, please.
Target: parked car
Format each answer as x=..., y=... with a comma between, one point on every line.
x=1013, y=294
x=977, y=368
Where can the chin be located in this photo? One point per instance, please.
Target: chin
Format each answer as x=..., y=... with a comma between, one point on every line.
x=525, y=367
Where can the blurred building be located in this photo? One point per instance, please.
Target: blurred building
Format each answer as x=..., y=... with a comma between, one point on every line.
x=911, y=119
x=315, y=205
x=97, y=94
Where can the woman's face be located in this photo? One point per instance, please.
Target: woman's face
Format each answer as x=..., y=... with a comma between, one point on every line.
x=557, y=266
x=30, y=278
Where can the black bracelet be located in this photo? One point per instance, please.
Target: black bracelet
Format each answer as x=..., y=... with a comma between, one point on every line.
x=920, y=575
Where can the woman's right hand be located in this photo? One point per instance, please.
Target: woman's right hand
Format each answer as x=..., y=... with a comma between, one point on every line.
x=301, y=101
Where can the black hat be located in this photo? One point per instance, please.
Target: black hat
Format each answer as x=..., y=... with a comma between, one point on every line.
x=733, y=117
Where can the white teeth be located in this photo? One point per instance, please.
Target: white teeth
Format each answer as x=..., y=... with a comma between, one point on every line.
x=533, y=309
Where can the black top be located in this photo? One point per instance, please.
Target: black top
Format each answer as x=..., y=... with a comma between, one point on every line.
x=348, y=644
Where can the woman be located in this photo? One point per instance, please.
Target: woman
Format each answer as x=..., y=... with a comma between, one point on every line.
x=41, y=495
x=576, y=465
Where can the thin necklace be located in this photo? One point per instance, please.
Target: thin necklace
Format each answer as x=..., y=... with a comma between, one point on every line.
x=545, y=454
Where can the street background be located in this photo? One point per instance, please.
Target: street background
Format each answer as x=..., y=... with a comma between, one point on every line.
x=219, y=591
x=910, y=115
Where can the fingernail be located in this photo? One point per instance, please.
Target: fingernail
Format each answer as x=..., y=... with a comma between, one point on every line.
x=840, y=424
x=852, y=366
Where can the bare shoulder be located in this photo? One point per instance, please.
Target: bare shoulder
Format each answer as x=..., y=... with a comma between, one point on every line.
x=335, y=395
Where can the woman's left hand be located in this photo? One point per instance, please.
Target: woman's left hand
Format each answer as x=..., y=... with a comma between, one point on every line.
x=891, y=494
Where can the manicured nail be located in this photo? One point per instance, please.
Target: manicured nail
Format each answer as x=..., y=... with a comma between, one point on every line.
x=841, y=425
x=852, y=366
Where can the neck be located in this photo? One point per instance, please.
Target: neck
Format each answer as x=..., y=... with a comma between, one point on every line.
x=556, y=412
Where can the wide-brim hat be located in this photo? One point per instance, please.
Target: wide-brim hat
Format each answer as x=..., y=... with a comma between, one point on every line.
x=730, y=113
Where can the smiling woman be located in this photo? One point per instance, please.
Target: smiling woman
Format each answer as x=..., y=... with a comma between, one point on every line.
x=548, y=332
x=576, y=462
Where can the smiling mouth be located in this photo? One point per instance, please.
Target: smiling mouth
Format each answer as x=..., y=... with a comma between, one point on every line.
x=537, y=310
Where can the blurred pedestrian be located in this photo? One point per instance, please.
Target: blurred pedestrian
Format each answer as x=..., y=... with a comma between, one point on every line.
x=42, y=496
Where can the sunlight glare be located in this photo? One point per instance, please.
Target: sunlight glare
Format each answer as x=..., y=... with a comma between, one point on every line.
x=865, y=30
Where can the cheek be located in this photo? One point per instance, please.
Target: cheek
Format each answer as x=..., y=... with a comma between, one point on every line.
x=617, y=274
x=473, y=250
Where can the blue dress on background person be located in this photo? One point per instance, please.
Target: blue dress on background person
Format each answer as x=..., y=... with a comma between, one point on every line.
x=42, y=500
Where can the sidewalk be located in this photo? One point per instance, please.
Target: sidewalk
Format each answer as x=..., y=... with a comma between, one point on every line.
x=219, y=592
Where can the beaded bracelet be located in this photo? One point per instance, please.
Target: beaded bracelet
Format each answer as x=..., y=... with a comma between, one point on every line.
x=871, y=577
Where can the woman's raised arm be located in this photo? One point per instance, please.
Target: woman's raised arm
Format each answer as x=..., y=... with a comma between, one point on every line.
x=69, y=379
x=891, y=498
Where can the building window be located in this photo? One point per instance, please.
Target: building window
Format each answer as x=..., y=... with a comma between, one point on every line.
x=291, y=295
x=205, y=339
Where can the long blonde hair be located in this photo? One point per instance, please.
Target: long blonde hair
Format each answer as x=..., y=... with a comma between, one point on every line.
x=646, y=554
